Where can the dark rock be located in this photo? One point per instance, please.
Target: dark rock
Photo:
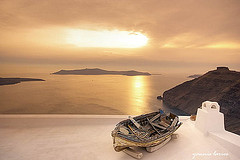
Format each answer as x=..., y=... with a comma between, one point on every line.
x=221, y=85
x=97, y=71
x=159, y=97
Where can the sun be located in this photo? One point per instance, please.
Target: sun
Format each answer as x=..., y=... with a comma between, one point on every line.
x=105, y=38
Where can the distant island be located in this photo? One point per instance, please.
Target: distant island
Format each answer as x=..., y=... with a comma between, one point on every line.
x=194, y=76
x=97, y=71
x=9, y=81
x=221, y=85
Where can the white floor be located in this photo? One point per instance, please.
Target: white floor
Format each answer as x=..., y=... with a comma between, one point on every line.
x=70, y=137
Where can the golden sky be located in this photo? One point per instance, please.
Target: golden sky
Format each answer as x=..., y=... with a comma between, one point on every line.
x=150, y=35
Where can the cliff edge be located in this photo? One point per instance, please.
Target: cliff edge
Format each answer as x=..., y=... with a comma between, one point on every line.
x=221, y=85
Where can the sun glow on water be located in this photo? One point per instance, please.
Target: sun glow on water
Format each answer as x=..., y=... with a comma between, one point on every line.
x=106, y=39
x=138, y=94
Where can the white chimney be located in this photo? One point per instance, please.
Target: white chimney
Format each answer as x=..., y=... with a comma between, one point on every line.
x=209, y=118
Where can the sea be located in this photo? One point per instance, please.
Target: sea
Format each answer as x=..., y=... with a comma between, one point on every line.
x=87, y=94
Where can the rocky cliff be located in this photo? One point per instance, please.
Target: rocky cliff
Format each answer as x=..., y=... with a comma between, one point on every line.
x=221, y=85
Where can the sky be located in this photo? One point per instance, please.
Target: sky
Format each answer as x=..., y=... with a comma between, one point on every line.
x=159, y=36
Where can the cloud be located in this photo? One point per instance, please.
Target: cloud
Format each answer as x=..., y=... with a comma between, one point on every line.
x=160, y=20
x=179, y=32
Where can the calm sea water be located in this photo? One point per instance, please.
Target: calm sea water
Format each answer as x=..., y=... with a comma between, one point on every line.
x=87, y=94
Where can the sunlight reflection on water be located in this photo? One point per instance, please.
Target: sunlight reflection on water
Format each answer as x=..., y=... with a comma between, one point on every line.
x=138, y=94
